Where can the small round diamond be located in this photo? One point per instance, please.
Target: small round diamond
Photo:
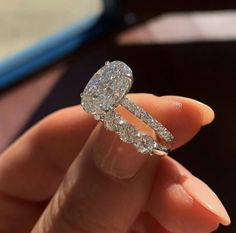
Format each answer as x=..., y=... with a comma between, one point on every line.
x=128, y=133
x=161, y=131
x=145, y=144
x=111, y=120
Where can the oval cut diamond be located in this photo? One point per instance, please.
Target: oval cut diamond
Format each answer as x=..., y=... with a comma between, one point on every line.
x=107, y=87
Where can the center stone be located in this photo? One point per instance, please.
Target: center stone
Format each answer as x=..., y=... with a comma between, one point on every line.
x=107, y=87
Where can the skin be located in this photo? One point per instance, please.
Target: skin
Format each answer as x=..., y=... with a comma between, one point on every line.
x=52, y=178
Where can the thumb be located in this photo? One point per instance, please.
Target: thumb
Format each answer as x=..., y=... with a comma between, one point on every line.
x=104, y=190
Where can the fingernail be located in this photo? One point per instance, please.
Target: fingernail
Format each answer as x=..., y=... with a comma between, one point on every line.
x=206, y=111
x=114, y=157
x=206, y=197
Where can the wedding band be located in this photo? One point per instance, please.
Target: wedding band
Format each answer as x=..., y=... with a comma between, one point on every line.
x=105, y=91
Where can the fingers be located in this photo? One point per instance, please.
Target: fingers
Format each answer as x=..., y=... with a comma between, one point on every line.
x=34, y=166
x=109, y=184
x=207, y=114
x=175, y=113
x=41, y=157
x=17, y=215
x=182, y=203
x=146, y=223
x=105, y=189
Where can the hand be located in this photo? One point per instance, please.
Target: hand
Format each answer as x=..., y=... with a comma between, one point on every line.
x=68, y=174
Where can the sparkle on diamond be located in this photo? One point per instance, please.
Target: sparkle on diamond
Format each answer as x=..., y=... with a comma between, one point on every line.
x=105, y=91
x=107, y=87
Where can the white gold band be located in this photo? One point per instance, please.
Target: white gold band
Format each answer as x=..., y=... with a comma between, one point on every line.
x=160, y=130
x=128, y=133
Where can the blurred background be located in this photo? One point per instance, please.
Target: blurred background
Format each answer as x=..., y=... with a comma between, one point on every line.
x=49, y=50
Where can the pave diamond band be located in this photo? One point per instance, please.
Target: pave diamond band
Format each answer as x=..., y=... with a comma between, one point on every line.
x=105, y=91
x=161, y=131
x=128, y=133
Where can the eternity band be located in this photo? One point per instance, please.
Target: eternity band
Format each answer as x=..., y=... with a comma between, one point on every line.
x=105, y=91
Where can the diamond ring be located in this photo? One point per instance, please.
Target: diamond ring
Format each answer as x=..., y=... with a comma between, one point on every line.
x=105, y=91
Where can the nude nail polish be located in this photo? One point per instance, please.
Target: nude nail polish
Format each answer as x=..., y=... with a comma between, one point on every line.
x=206, y=197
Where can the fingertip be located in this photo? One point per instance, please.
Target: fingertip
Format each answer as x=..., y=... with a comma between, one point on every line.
x=182, y=203
x=204, y=195
x=207, y=113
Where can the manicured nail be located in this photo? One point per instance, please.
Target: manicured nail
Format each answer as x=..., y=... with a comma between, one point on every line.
x=206, y=197
x=202, y=193
x=114, y=157
x=206, y=111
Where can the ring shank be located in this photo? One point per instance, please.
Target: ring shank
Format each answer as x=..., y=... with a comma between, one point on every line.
x=128, y=133
x=140, y=113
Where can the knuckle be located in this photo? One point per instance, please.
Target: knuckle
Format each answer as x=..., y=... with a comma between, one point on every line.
x=82, y=217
